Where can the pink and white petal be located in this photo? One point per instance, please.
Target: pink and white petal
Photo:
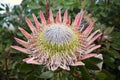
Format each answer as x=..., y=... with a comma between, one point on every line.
x=88, y=30
x=25, y=33
x=92, y=49
x=86, y=56
x=31, y=61
x=92, y=35
x=20, y=49
x=76, y=19
x=51, y=16
x=38, y=25
x=42, y=17
x=32, y=28
x=65, y=17
x=58, y=17
x=65, y=67
x=90, y=46
x=79, y=21
x=79, y=63
x=54, y=67
x=23, y=43
x=94, y=38
x=68, y=21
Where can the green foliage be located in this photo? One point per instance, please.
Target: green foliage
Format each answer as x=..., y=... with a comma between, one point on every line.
x=107, y=16
x=47, y=74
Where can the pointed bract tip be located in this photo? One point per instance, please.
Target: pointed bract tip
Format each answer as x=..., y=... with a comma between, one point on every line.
x=30, y=61
x=19, y=49
x=65, y=17
x=79, y=63
x=51, y=19
x=23, y=43
x=58, y=16
x=19, y=28
x=42, y=17
x=86, y=56
x=25, y=33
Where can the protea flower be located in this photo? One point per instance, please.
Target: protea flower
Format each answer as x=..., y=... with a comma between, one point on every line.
x=58, y=43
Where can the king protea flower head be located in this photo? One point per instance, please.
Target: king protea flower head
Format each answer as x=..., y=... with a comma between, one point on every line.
x=58, y=43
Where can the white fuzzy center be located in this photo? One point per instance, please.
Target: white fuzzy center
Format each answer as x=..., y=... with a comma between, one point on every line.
x=59, y=34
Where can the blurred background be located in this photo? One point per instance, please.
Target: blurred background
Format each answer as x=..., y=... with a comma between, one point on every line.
x=106, y=13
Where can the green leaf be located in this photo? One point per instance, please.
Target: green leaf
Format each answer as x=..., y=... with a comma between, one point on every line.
x=109, y=61
x=24, y=68
x=31, y=77
x=47, y=74
x=14, y=64
x=3, y=55
x=90, y=65
x=85, y=73
x=109, y=75
x=104, y=75
x=101, y=76
x=114, y=53
x=95, y=60
x=109, y=30
x=116, y=38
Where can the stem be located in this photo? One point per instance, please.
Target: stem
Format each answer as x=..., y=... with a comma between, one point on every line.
x=6, y=67
x=6, y=63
